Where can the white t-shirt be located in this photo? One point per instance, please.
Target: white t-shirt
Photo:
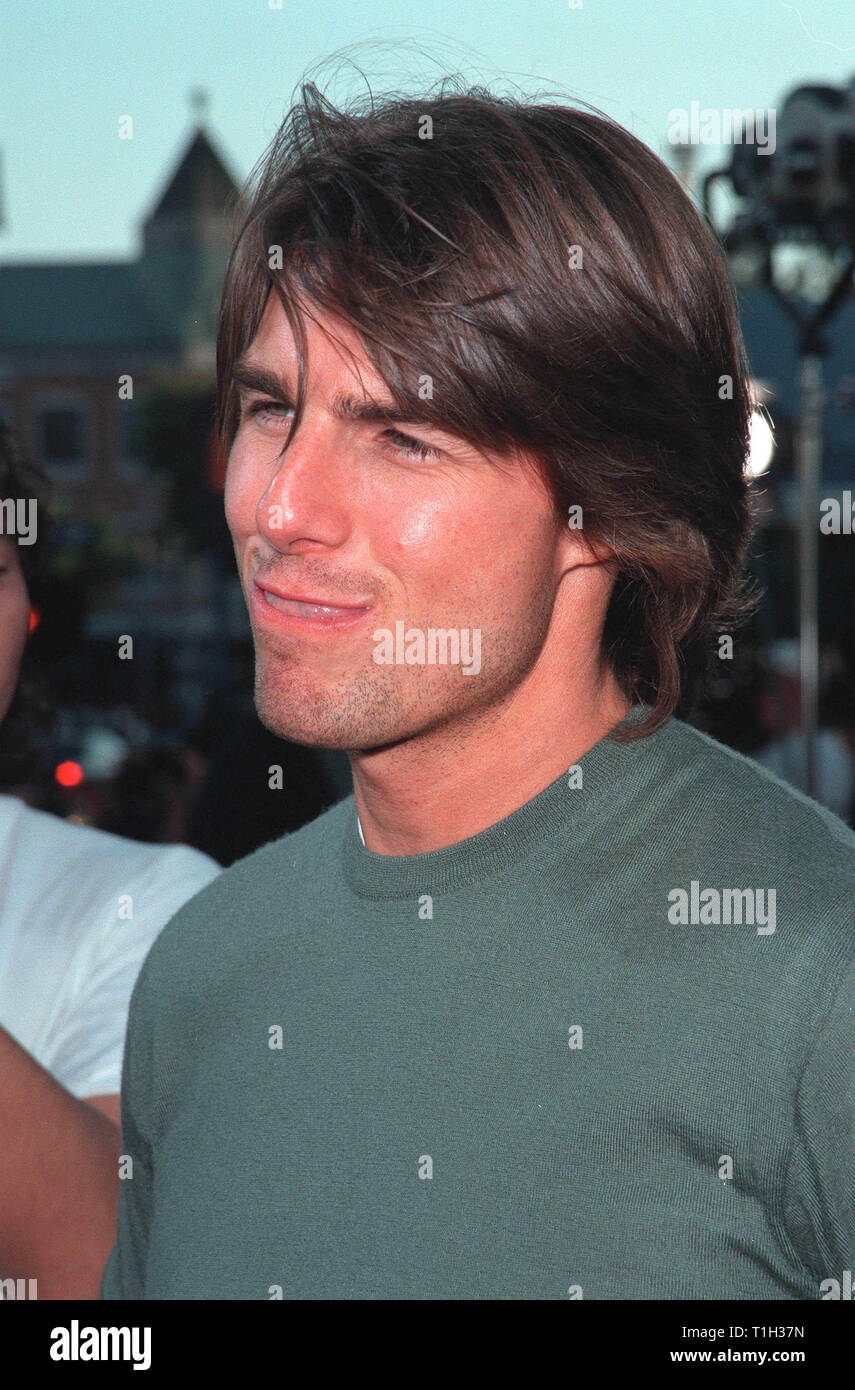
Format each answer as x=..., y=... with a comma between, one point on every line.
x=79, y=910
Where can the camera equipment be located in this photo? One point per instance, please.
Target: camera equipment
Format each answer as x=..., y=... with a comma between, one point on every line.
x=801, y=189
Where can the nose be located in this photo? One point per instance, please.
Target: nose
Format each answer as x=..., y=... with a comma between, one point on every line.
x=306, y=499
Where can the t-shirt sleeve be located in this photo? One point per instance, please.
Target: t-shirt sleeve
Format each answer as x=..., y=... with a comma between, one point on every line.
x=821, y=1176
x=125, y=1271
x=86, y=1054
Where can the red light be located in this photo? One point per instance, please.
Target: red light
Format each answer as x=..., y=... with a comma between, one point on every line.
x=35, y=619
x=69, y=774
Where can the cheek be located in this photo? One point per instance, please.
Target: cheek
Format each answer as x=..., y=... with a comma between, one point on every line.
x=492, y=537
x=421, y=527
x=430, y=545
x=242, y=492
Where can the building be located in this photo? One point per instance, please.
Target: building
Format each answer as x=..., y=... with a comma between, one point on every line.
x=77, y=337
x=82, y=346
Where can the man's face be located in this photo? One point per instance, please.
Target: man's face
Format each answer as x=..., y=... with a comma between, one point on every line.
x=352, y=518
x=14, y=621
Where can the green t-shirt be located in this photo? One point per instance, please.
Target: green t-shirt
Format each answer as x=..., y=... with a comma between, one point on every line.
x=603, y=1049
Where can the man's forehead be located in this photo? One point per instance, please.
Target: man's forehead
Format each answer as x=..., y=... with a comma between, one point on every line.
x=327, y=336
x=334, y=347
x=333, y=352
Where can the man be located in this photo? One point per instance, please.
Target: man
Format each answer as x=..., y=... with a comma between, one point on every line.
x=559, y=1003
x=78, y=911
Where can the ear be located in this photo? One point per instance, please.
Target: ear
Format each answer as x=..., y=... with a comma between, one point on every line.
x=576, y=548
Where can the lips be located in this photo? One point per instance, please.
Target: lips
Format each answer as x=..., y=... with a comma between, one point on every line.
x=308, y=609
x=315, y=610
x=314, y=600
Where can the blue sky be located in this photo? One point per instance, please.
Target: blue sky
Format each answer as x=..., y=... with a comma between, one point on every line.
x=71, y=189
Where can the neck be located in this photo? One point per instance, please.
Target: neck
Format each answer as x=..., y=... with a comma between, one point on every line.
x=434, y=790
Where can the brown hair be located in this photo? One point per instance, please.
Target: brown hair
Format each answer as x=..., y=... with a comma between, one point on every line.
x=443, y=228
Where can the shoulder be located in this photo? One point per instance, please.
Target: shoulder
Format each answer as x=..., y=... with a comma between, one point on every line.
x=759, y=806
x=259, y=896
x=80, y=908
x=720, y=820
x=48, y=850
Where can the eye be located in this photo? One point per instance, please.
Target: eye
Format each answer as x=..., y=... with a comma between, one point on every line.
x=407, y=445
x=264, y=410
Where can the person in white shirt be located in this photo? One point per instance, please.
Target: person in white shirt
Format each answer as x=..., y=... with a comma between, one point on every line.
x=79, y=910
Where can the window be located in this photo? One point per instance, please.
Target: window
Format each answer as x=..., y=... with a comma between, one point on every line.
x=62, y=435
x=130, y=438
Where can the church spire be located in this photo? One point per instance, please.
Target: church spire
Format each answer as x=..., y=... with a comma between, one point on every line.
x=200, y=101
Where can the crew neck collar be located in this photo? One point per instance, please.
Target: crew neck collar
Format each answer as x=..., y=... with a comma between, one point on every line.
x=373, y=875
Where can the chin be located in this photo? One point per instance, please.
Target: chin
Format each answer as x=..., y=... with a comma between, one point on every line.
x=316, y=718
x=286, y=723
x=329, y=723
x=357, y=712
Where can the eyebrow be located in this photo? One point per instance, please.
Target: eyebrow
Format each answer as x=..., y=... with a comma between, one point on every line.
x=344, y=407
